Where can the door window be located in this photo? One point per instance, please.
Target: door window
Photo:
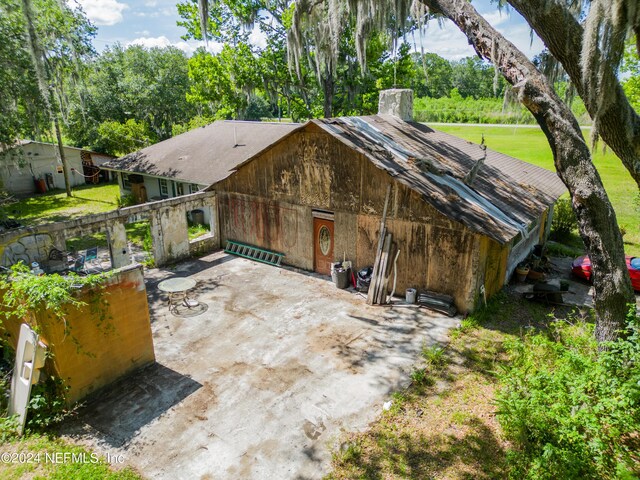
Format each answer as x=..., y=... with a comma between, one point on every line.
x=324, y=240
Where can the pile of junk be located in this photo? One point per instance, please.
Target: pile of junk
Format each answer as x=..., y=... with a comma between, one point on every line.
x=535, y=271
x=343, y=277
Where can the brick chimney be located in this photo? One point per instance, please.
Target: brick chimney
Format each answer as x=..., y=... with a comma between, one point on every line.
x=398, y=102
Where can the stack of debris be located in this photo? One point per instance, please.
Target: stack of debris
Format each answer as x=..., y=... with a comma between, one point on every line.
x=438, y=302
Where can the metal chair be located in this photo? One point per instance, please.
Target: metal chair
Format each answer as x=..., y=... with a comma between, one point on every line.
x=91, y=260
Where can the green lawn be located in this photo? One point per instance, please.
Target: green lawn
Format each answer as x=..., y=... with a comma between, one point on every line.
x=42, y=456
x=531, y=145
x=55, y=206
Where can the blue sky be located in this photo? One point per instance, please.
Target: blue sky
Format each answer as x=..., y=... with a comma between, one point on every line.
x=153, y=23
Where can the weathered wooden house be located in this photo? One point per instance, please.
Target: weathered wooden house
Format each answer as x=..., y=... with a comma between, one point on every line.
x=462, y=216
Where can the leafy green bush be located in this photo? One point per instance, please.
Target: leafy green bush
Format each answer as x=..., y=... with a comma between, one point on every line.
x=569, y=410
x=47, y=404
x=564, y=220
x=126, y=200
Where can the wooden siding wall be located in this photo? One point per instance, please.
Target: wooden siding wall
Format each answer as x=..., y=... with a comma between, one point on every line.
x=269, y=203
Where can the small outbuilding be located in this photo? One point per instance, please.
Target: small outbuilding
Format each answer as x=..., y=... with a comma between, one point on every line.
x=30, y=166
x=462, y=216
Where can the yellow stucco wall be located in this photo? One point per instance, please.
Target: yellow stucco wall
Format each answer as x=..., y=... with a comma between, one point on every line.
x=95, y=353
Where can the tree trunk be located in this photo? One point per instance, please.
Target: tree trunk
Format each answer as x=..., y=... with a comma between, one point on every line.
x=596, y=218
x=63, y=158
x=328, y=87
x=618, y=124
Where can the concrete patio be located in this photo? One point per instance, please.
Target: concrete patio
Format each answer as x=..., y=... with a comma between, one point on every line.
x=262, y=381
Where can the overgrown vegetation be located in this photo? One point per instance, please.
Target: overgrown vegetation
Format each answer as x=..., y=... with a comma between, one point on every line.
x=139, y=234
x=569, y=410
x=455, y=108
x=564, y=220
x=26, y=294
x=197, y=230
x=519, y=392
x=28, y=297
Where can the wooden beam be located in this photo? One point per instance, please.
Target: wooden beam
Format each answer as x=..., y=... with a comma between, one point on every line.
x=376, y=265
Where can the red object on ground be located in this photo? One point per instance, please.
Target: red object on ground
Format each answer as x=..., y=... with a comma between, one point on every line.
x=41, y=186
x=581, y=267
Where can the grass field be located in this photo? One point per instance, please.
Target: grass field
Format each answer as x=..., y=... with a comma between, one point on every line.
x=531, y=145
x=55, y=206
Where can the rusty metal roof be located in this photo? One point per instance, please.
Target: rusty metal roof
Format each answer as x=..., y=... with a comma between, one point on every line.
x=505, y=196
x=205, y=155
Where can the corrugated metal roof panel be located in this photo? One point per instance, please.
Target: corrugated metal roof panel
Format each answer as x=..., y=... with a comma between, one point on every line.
x=506, y=195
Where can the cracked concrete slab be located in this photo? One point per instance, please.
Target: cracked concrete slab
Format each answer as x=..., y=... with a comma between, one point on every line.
x=261, y=384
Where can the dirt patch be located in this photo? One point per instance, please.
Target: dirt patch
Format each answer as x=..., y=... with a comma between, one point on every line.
x=266, y=448
x=346, y=347
x=280, y=378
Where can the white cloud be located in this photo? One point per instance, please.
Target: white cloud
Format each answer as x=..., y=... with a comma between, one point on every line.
x=103, y=12
x=150, y=42
x=496, y=18
x=162, y=41
x=448, y=42
x=151, y=3
x=257, y=37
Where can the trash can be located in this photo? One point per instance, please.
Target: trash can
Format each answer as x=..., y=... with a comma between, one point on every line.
x=364, y=279
x=340, y=275
x=197, y=217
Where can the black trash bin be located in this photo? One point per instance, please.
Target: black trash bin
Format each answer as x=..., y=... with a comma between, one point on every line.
x=364, y=279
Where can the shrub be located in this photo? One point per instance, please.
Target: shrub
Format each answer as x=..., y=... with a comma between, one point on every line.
x=568, y=410
x=126, y=200
x=564, y=220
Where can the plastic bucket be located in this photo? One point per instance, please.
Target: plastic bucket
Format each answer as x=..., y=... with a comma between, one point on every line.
x=410, y=296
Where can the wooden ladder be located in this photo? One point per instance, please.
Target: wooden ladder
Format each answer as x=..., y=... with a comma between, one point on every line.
x=254, y=253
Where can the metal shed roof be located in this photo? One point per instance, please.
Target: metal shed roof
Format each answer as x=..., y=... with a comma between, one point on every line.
x=205, y=155
x=505, y=197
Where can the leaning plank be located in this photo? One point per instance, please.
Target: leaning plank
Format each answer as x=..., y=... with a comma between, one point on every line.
x=387, y=274
x=382, y=274
x=371, y=294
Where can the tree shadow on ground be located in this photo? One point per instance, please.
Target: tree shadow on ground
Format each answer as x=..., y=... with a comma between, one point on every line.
x=419, y=456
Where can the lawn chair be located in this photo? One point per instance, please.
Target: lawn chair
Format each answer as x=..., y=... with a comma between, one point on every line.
x=91, y=264
x=78, y=266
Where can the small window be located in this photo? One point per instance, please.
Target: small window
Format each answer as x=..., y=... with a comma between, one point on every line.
x=126, y=184
x=179, y=189
x=164, y=188
x=193, y=188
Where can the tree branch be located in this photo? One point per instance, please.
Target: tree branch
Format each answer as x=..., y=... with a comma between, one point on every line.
x=619, y=124
x=596, y=217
